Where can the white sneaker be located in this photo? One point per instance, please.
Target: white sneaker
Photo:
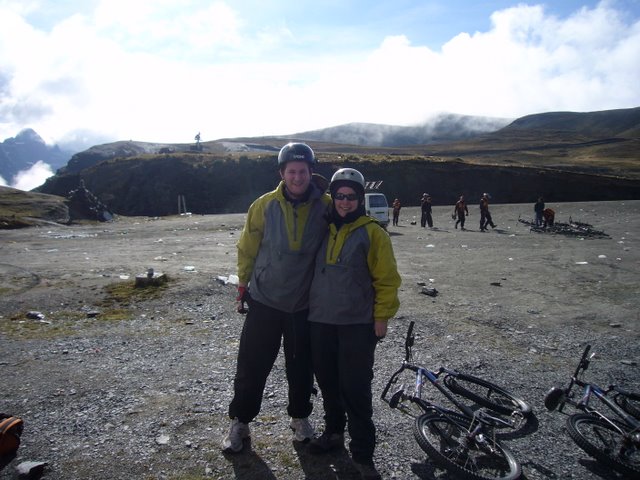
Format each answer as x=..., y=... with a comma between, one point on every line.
x=302, y=429
x=238, y=431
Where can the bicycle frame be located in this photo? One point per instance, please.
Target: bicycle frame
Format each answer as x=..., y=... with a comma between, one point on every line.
x=590, y=390
x=463, y=441
x=422, y=373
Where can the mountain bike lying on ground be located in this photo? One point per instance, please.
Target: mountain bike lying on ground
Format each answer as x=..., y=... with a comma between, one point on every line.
x=463, y=441
x=610, y=434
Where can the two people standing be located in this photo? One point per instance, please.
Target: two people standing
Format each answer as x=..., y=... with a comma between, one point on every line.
x=544, y=216
x=329, y=321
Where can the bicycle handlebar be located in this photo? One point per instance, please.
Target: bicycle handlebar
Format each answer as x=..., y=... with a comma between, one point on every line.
x=583, y=364
x=408, y=342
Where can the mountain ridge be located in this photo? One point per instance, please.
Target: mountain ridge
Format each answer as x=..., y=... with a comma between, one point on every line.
x=564, y=156
x=23, y=151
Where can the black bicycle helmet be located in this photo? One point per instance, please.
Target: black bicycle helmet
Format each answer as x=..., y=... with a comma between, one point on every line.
x=296, y=152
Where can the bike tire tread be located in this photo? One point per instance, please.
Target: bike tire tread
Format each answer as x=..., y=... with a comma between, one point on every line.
x=459, y=421
x=596, y=451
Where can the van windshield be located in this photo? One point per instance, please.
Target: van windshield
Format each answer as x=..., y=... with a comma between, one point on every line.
x=377, y=201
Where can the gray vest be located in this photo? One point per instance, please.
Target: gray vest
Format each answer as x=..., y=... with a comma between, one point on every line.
x=342, y=293
x=282, y=277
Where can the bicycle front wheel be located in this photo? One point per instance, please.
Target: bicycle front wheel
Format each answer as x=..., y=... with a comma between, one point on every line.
x=446, y=439
x=487, y=394
x=612, y=445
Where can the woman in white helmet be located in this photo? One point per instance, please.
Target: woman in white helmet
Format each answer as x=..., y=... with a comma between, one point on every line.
x=353, y=294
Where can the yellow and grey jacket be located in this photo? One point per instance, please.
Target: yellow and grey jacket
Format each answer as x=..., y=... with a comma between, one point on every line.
x=356, y=278
x=277, y=248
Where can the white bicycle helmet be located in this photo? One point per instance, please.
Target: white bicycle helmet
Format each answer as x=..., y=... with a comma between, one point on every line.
x=347, y=177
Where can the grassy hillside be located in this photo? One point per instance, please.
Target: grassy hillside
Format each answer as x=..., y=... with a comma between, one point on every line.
x=21, y=209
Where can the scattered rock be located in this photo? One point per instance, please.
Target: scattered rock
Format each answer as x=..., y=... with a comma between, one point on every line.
x=432, y=292
x=31, y=470
x=155, y=280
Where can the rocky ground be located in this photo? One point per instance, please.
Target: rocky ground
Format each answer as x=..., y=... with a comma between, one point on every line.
x=115, y=382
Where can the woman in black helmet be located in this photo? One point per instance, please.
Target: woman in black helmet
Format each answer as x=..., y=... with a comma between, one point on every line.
x=353, y=294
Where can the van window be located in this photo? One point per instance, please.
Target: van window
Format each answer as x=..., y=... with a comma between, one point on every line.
x=376, y=201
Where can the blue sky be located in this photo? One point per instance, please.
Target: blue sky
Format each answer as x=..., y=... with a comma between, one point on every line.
x=164, y=70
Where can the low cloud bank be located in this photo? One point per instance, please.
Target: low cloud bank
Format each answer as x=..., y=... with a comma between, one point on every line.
x=29, y=179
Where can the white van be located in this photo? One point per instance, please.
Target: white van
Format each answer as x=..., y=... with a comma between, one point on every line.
x=377, y=207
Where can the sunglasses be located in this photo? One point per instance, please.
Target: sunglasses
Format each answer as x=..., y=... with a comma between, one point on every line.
x=346, y=196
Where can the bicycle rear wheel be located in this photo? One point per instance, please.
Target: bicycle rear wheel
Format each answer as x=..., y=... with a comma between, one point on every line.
x=444, y=437
x=487, y=394
x=629, y=402
x=614, y=447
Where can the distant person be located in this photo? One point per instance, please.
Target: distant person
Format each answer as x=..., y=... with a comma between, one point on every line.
x=549, y=217
x=396, y=211
x=460, y=211
x=425, y=208
x=538, y=208
x=485, y=215
x=276, y=255
x=353, y=295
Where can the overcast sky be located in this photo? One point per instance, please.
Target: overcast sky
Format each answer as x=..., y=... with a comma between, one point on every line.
x=164, y=70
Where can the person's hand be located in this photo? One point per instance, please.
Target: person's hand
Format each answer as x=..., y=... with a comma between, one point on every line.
x=243, y=295
x=380, y=327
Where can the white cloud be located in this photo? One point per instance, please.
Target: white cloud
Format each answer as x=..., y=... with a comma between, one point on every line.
x=34, y=177
x=162, y=71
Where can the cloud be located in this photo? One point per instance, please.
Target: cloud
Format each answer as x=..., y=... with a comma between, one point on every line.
x=163, y=71
x=34, y=177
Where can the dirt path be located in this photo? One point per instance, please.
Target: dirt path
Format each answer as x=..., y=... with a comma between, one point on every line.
x=138, y=387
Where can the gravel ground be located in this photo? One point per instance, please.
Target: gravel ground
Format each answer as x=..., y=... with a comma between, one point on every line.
x=120, y=386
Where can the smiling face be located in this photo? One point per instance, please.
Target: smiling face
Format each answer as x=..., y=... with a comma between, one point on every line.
x=342, y=203
x=296, y=177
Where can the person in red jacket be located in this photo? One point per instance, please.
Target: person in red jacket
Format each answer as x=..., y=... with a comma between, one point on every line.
x=485, y=215
x=460, y=211
x=396, y=211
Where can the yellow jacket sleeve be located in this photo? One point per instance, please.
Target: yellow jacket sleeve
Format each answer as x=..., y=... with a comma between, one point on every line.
x=250, y=239
x=384, y=274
